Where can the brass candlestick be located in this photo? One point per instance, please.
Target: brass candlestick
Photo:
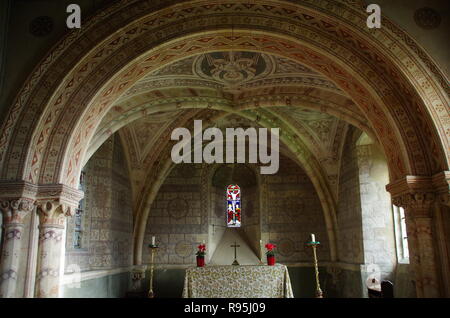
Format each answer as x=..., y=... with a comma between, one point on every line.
x=153, y=249
x=314, y=244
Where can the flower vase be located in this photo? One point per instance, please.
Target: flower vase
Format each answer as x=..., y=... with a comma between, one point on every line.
x=271, y=260
x=200, y=261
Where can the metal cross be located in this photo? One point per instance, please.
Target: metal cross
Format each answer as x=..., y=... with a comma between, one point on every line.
x=235, y=253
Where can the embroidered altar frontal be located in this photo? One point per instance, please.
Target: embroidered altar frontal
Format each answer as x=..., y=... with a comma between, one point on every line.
x=248, y=281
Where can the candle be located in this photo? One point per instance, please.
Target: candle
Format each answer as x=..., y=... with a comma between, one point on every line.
x=313, y=238
x=153, y=241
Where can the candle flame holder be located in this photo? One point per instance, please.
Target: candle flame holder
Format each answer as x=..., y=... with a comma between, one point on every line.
x=314, y=245
x=153, y=250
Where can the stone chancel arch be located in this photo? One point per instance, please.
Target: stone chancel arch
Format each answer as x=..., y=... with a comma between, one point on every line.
x=399, y=98
x=141, y=30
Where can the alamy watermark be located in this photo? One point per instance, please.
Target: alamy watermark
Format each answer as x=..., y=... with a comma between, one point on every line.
x=374, y=19
x=74, y=19
x=213, y=151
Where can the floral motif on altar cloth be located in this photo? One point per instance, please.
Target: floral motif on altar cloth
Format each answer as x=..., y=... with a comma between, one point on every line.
x=228, y=281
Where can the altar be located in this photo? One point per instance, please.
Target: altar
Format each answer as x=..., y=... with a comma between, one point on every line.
x=229, y=281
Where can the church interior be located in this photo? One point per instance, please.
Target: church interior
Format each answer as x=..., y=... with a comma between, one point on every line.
x=88, y=185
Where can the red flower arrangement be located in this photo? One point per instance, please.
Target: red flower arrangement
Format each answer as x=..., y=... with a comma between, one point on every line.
x=270, y=253
x=201, y=255
x=270, y=249
x=201, y=250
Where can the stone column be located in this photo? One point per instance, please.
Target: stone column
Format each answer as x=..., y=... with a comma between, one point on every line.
x=51, y=227
x=417, y=196
x=54, y=204
x=14, y=211
x=16, y=201
x=441, y=182
x=422, y=244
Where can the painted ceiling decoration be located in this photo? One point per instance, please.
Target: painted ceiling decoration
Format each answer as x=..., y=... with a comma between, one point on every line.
x=233, y=68
x=227, y=81
x=233, y=72
x=370, y=80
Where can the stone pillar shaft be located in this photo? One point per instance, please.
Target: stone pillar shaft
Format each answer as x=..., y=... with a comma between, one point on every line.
x=421, y=243
x=10, y=257
x=422, y=254
x=420, y=196
x=51, y=232
x=14, y=212
x=54, y=204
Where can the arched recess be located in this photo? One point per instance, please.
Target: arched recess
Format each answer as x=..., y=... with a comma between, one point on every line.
x=387, y=75
x=306, y=159
x=208, y=182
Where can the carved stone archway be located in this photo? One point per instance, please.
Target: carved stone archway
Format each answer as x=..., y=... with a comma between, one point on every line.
x=396, y=86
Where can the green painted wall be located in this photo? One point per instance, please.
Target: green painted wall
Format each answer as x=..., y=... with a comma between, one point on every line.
x=112, y=286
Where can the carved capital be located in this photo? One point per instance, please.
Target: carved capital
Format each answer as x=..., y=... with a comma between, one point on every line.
x=16, y=200
x=441, y=182
x=59, y=198
x=418, y=204
x=416, y=194
x=52, y=212
x=15, y=210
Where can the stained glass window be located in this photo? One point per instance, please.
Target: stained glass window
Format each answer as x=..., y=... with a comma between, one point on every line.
x=233, y=206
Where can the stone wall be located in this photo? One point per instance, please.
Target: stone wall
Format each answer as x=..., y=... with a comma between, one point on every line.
x=349, y=205
x=291, y=211
x=192, y=200
x=366, y=242
x=107, y=221
x=376, y=210
x=177, y=217
x=252, y=225
x=404, y=286
x=217, y=222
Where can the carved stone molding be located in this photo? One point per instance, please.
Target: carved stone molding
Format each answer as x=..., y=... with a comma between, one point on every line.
x=417, y=204
x=55, y=199
x=419, y=193
x=16, y=200
x=52, y=212
x=17, y=189
x=441, y=182
x=14, y=211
